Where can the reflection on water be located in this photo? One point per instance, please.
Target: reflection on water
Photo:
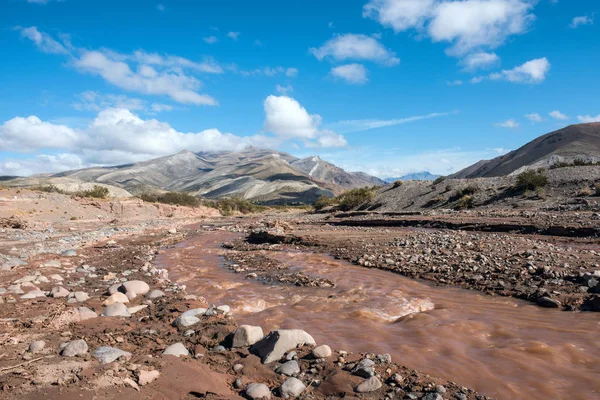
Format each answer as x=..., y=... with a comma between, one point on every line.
x=501, y=347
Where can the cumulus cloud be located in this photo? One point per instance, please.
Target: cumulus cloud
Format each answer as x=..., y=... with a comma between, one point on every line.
x=286, y=118
x=233, y=35
x=534, y=117
x=480, y=60
x=31, y=133
x=355, y=47
x=468, y=25
x=583, y=20
x=510, y=124
x=531, y=72
x=588, y=118
x=210, y=39
x=351, y=73
x=558, y=115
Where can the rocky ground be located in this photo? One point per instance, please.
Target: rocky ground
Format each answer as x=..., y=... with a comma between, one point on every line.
x=86, y=314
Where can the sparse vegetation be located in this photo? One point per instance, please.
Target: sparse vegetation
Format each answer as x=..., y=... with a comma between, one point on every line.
x=597, y=186
x=464, y=192
x=230, y=206
x=464, y=202
x=540, y=193
x=585, y=191
x=575, y=163
x=439, y=180
x=356, y=197
x=173, y=198
x=98, y=192
x=324, y=201
x=531, y=180
x=435, y=201
x=397, y=184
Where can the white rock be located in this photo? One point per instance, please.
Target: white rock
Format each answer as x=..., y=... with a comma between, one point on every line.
x=177, y=350
x=133, y=310
x=36, y=346
x=292, y=388
x=224, y=309
x=194, y=312
x=116, y=310
x=146, y=377
x=56, y=277
x=15, y=289
x=80, y=296
x=74, y=348
x=106, y=354
x=273, y=346
x=322, y=351
x=155, y=294
x=289, y=368
x=84, y=313
x=247, y=335
x=369, y=385
x=59, y=291
x=33, y=294
x=135, y=288
x=185, y=321
x=258, y=391
x=117, y=297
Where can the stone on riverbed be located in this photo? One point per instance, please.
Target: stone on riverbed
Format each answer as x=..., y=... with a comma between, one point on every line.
x=289, y=368
x=364, y=368
x=369, y=385
x=74, y=348
x=34, y=294
x=106, y=354
x=177, y=350
x=548, y=302
x=155, y=294
x=116, y=310
x=59, y=291
x=117, y=297
x=146, y=377
x=292, y=388
x=258, y=391
x=322, y=351
x=184, y=321
x=246, y=335
x=36, y=346
x=274, y=346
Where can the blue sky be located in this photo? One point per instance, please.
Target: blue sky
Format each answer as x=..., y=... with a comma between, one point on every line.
x=384, y=86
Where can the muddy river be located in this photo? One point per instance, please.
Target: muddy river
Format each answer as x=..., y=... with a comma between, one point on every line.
x=502, y=347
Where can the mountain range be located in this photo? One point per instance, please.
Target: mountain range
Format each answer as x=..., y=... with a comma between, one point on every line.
x=264, y=176
x=415, y=176
x=575, y=142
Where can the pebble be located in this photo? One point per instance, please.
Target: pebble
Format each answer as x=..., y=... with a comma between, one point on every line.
x=177, y=350
x=146, y=377
x=322, y=351
x=257, y=391
x=74, y=348
x=247, y=335
x=289, y=368
x=155, y=294
x=292, y=387
x=238, y=367
x=116, y=310
x=548, y=302
x=59, y=291
x=117, y=297
x=106, y=354
x=433, y=396
x=36, y=346
x=186, y=321
x=81, y=296
x=364, y=368
x=69, y=253
x=369, y=385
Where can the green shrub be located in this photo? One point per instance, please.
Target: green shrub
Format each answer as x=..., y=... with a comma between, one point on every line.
x=324, y=201
x=98, y=192
x=464, y=202
x=397, y=184
x=585, y=191
x=435, y=201
x=439, y=180
x=229, y=206
x=48, y=189
x=356, y=197
x=173, y=198
x=531, y=180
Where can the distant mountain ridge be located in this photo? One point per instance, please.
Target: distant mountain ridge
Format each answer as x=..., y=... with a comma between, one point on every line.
x=415, y=176
x=575, y=142
x=264, y=176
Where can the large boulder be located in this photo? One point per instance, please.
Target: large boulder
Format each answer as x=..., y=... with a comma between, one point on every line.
x=116, y=310
x=117, y=297
x=130, y=288
x=177, y=350
x=106, y=355
x=369, y=385
x=273, y=346
x=246, y=335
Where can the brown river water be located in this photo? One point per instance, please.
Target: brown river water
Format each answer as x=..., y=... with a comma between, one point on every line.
x=501, y=347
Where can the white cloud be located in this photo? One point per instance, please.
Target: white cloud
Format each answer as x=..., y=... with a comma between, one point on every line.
x=359, y=125
x=510, y=124
x=285, y=90
x=588, y=118
x=533, y=71
x=351, y=73
x=479, y=60
x=291, y=72
x=477, y=79
x=534, y=117
x=266, y=71
x=287, y=119
x=558, y=115
x=152, y=74
x=233, y=35
x=583, y=20
x=468, y=25
x=160, y=7
x=158, y=107
x=31, y=133
x=457, y=82
x=94, y=101
x=211, y=39
x=355, y=47
x=38, y=1
x=42, y=40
